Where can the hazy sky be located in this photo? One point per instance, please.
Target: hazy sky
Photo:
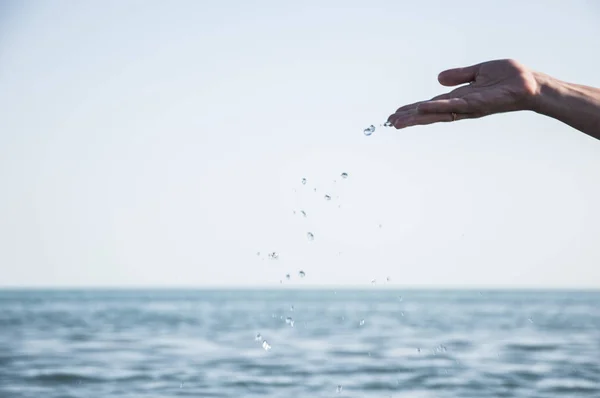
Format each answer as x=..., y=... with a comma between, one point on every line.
x=163, y=143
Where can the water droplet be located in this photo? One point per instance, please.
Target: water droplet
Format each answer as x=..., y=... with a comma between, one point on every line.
x=310, y=236
x=369, y=130
x=287, y=276
x=302, y=274
x=258, y=337
x=339, y=389
x=344, y=175
x=362, y=322
x=303, y=213
x=291, y=308
x=373, y=281
x=289, y=321
x=304, y=181
x=400, y=298
x=315, y=189
x=530, y=320
x=387, y=279
x=327, y=197
x=266, y=345
x=273, y=256
x=418, y=350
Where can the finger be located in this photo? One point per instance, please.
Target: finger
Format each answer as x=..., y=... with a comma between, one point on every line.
x=408, y=119
x=454, y=77
x=456, y=105
x=416, y=104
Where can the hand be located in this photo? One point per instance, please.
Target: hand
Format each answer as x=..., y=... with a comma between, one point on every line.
x=494, y=87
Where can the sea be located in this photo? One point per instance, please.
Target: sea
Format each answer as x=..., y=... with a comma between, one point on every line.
x=299, y=343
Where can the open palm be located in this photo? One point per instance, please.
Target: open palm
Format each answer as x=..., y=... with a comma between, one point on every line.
x=494, y=87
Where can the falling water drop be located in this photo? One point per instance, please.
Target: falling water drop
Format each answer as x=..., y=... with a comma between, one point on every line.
x=310, y=236
x=287, y=276
x=327, y=197
x=344, y=175
x=291, y=308
x=369, y=130
x=289, y=321
x=304, y=181
x=303, y=213
x=339, y=389
x=266, y=345
x=302, y=274
x=387, y=124
x=274, y=256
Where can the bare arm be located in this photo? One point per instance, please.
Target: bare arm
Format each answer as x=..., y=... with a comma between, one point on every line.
x=573, y=104
x=504, y=86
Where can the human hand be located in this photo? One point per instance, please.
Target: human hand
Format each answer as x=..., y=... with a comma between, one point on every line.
x=494, y=87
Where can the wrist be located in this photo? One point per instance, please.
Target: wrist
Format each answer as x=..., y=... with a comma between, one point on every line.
x=547, y=94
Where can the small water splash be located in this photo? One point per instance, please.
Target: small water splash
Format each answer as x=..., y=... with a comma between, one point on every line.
x=530, y=320
x=303, y=213
x=339, y=389
x=258, y=337
x=289, y=321
x=310, y=236
x=291, y=308
x=361, y=323
x=288, y=276
x=304, y=181
x=388, y=279
x=265, y=345
x=400, y=298
x=387, y=124
x=301, y=273
x=369, y=130
x=258, y=253
x=274, y=255
x=373, y=281
x=344, y=175
x=327, y=197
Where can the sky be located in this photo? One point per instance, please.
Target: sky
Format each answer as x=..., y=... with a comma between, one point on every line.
x=163, y=144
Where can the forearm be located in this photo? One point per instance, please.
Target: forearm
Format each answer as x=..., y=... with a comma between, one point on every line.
x=576, y=105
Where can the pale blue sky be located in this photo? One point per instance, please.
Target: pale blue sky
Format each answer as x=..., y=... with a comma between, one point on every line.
x=159, y=143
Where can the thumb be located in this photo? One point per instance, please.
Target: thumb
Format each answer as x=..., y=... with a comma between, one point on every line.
x=454, y=77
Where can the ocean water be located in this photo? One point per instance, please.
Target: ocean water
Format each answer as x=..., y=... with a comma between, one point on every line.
x=184, y=343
